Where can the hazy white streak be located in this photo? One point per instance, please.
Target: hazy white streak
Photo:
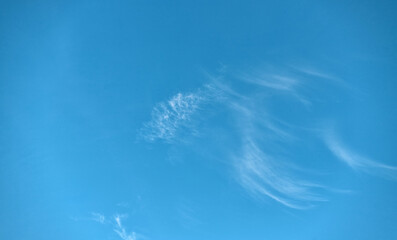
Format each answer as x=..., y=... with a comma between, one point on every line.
x=121, y=231
x=355, y=160
x=261, y=174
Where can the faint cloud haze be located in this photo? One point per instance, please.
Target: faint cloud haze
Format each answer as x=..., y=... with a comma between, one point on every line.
x=98, y=217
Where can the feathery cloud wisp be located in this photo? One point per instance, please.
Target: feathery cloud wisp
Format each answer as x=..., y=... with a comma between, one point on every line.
x=169, y=116
x=357, y=161
x=176, y=113
x=116, y=223
x=260, y=173
x=273, y=81
x=121, y=231
x=280, y=83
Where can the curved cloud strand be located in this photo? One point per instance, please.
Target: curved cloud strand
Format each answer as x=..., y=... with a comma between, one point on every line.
x=357, y=161
x=261, y=174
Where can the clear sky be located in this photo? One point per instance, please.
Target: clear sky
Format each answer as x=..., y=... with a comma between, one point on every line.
x=184, y=120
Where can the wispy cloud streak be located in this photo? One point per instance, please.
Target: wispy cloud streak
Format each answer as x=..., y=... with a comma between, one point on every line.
x=315, y=73
x=116, y=223
x=357, y=161
x=121, y=231
x=273, y=81
x=262, y=174
x=265, y=173
x=277, y=83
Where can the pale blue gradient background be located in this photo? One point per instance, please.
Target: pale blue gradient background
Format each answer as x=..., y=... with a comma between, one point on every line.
x=79, y=78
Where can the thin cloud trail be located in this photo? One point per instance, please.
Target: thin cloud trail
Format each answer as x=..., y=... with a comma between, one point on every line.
x=316, y=73
x=355, y=160
x=260, y=172
x=278, y=83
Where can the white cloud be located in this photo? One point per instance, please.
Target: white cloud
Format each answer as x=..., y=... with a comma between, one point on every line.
x=117, y=225
x=257, y=171
x=121, y=231
x=316, y=73
x=283, y=82
x=262, y=174
x=169, y=116
x=176, y=113
x=261, y=165
x=273, y=81
x=355, y=160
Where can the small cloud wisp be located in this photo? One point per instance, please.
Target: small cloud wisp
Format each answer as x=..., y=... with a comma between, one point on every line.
x=121, y=231
x=175, y=114
x=116, y=222
x=357, y=161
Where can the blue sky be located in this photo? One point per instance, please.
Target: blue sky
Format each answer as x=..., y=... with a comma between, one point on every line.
x=192, y=120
